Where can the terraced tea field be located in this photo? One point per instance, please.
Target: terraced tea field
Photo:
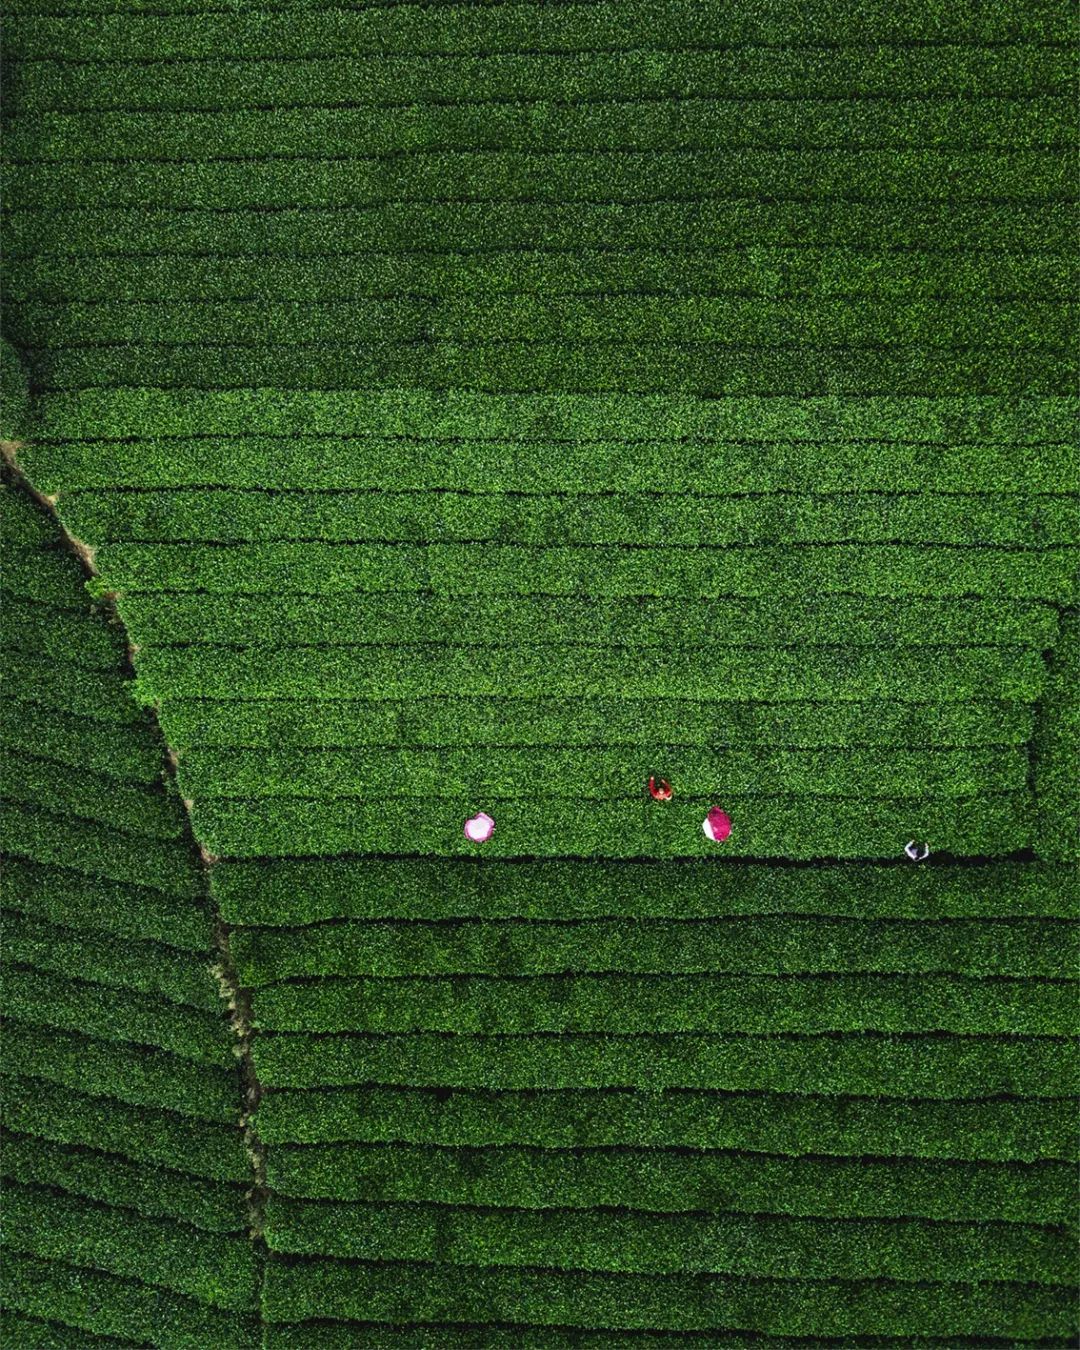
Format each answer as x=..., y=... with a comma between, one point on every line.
x=416, y=411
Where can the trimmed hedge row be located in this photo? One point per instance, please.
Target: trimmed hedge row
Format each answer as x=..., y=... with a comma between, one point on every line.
x=269, y=723
x=144, y=1133
x=1003, y=1129
x=710, y=370
x=569, y=1005
x=944, y=1067
x=208, y=1266
x=68, y=897
x=1003, y=179
x=507, y=462
x=587, y=774
x=146, y=967
x=292, y=892
x=641, y=621
x=36, y=836
x=469, y=29
x=106, y=1305
x=38, y=682
x=298, y=1290
x=129, y=994
x=44, y=1334
x=561, y=669
x=1035, y=521
x=970, y=426
x=45, y=785
x=618, y=124
x=759, y=1246
x=674, y=1181
x=763, y=271
x=83, y=743
x=791, y=944
x=883, y=71
x=46, y=1000
x=24, y=529
x=33, y=627
x=462, y=1336
x=157, y=1192
x=628, y=320
x=135, y=1074
x=968, y=226
x=52, y=579
x=764, y=827
x=213, y=1268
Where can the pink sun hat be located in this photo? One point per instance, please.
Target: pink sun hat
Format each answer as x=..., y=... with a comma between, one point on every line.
x=717, y=825
x=479, y=828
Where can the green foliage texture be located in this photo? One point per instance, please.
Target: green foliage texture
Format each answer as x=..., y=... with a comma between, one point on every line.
x=419, y=407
